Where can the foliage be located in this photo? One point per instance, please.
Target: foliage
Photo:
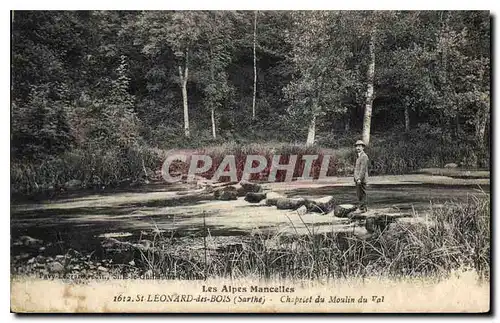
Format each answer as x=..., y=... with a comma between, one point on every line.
x=109, y=79
x=40, y=127
x=318, y=60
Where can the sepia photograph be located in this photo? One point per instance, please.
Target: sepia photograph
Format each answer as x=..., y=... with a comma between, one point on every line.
x=253, y=161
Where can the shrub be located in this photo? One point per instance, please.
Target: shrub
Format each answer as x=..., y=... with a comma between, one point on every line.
x=94, y=166
x=240, y=153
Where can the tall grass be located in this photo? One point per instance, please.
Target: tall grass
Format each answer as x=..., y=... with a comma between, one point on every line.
x=340, y=162
x=93, y=166
x=240, y=153
x=424, y=147
x=389, y=154
x=456, y=236
x=398, y=153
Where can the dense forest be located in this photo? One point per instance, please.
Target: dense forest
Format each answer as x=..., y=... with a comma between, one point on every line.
x=97, y=96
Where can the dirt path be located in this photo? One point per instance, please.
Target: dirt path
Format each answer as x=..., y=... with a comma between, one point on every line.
x=176, y=210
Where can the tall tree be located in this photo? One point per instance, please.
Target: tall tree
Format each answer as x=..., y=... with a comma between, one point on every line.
x=318, y=56
x=216, y=32
x=254, y=64
x=180, y=30
x=371, y=27
x=370, y=75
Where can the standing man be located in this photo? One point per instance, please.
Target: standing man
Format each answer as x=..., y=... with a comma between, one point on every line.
x=361, y=174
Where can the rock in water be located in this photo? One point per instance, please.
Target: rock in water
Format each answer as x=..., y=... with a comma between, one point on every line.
x=250, y=187
x=254, y=197
x=343, y=210
x=272, y=198
x=240, y=190
x=228, y=192
x=101, y=268
x=451, y=165
x=302, y=210
x=73, y=184
x=28, y=241
x=321, y=205
x=228, y=195
x=290, y=203
x=55, y=267
x=110, y=243
x=370, y=224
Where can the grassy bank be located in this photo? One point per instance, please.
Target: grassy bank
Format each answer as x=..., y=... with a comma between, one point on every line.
x=93, y=167
x=97, y=166
x=454, y=237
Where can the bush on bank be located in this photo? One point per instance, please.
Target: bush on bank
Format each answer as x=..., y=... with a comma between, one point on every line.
x=109, y=165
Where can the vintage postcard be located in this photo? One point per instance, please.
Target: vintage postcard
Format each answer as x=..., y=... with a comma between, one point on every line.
x=250, y=161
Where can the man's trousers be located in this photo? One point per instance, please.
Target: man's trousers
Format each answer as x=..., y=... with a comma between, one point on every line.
x=361, y=193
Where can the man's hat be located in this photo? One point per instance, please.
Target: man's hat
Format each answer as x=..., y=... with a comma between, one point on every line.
x=359, y=142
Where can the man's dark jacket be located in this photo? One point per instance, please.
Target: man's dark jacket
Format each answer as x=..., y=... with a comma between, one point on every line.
x=361, y=168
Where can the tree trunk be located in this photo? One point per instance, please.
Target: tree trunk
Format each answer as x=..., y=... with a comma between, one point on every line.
x=212, y=103
x=481, y=122
x=183, y=80
x=213, y=122
x=458, y=126
x=369, y=91
x=254, y=65
x=443, y=39
x=407, y=118
x=347, y=125
x=312, y=131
